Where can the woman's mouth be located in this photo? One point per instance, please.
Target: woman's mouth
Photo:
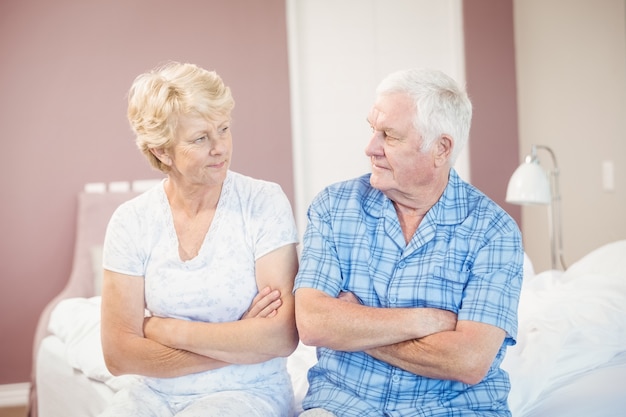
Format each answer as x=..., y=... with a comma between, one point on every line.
x=217, y=165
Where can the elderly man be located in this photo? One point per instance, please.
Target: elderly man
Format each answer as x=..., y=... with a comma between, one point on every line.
x=410, y=277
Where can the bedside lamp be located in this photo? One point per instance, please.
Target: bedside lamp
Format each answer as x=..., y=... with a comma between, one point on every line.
x=530, y=184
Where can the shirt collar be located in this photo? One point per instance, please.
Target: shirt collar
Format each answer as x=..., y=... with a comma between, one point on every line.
x=452, y=207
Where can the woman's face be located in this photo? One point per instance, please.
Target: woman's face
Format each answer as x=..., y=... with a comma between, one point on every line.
x=202, y=150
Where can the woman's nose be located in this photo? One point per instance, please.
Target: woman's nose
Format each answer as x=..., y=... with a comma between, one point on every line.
x=216, y=146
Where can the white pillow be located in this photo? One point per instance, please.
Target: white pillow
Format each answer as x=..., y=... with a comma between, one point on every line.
x=76, y=321
x=607, y=260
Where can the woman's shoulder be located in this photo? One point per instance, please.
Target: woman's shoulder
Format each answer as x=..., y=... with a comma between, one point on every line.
x=244, y=184
x=142, y=203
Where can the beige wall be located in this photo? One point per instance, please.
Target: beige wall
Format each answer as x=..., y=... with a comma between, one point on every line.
x=571, y=83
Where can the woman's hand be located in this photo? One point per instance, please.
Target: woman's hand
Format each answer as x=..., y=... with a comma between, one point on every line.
x=349, y=297
x=264, y=305
x=251, y=338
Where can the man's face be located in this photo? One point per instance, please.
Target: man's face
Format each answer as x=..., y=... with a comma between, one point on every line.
x=398, y=163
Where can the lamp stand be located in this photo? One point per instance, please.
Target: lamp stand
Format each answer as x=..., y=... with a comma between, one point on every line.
x=554, y=214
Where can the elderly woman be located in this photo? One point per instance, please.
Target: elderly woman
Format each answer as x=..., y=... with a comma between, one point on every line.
x=198, y=271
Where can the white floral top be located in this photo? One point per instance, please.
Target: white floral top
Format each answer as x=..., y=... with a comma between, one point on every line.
x=253, y=218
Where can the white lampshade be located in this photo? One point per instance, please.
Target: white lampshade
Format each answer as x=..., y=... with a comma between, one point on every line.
x=529, y=184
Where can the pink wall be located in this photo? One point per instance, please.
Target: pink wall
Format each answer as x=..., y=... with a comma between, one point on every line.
x=65, y=69
x=490, y=73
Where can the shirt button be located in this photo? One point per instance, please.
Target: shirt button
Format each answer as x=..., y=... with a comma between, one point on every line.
x=401, y=264
x=393, y=300
x=395, y=379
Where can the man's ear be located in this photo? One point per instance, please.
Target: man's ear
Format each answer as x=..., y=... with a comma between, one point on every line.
x=162, y=155
x=443, y=149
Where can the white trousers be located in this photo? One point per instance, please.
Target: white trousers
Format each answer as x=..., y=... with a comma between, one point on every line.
x=141, y=401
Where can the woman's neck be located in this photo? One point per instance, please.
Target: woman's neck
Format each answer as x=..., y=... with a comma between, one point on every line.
x=192, y=199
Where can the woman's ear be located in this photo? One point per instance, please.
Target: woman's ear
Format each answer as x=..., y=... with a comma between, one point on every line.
x=443, y=149
x=162, y=155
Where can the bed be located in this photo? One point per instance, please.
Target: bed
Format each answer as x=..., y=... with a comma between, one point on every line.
x=570, y=359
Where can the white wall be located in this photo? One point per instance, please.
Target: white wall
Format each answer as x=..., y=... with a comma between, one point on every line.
x=571, y=74
x=339, y=51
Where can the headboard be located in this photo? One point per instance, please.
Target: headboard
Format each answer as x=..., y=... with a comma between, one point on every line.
x=96, y=204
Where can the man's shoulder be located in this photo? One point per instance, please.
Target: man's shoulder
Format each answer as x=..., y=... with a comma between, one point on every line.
x=358, y=185
x=349, y=198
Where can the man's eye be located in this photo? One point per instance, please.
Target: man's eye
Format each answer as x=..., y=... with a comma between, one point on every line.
x=224, y=129
x=200, y=139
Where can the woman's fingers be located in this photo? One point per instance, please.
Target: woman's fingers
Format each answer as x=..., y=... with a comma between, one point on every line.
x=265, y=304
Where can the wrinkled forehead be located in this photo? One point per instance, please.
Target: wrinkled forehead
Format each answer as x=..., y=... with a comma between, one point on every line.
x=394, y=110
x=189, y=123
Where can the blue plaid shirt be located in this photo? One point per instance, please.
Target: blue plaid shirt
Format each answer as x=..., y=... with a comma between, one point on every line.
x=466, y=257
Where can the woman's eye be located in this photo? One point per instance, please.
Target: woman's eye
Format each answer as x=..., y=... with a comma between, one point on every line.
x=200, y=139
x=224, y=129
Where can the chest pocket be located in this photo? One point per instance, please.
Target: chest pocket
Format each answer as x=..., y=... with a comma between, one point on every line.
x=445, y=288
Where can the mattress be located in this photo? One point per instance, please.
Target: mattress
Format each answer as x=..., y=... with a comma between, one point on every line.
x=63, y=390
x=598, y=392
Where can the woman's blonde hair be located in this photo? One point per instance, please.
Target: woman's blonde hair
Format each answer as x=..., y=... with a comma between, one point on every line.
x=159, y=97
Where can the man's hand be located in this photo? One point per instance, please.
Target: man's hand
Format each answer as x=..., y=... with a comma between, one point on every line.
x=436, y=320
x=264, y=305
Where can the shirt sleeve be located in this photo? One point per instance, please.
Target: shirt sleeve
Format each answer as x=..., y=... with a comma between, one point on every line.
x=121, y=252
x=272, y=220
x=492, y=293
x=319, y=263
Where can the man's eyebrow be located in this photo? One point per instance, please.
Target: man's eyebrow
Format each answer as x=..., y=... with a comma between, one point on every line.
x=386, y=129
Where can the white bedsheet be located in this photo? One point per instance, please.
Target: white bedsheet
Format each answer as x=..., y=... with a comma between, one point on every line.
x=76, y=321
x=595, y=393
x=63, y=391
x=566, y=330
x=571, y=324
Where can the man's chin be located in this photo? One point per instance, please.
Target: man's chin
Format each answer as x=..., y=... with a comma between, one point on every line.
x=377, y=182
